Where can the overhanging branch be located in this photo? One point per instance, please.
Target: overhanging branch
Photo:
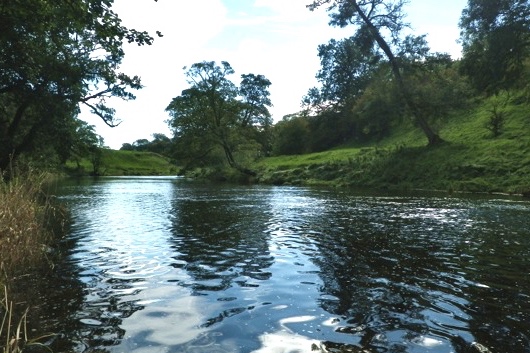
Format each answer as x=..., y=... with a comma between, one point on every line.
x=107, y=119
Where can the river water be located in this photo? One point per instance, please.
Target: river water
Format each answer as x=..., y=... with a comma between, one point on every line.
x=171, y=265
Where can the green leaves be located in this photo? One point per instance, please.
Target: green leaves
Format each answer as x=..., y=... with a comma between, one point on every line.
x=496, y=42
x=215, y=113
x=55, y=56
x=381, y=22
x=346, y=68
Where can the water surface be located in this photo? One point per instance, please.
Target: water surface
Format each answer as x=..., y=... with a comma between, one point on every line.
x=169, y=265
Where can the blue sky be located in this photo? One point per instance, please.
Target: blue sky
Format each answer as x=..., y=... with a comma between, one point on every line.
x=276, y=38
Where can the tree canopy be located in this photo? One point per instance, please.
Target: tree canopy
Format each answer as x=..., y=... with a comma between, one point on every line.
x=346, y=66
x=495, y=36
x=374, y=18
x=215, y=113
x=55, y=56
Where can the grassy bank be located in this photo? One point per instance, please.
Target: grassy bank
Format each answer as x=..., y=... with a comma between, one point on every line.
x=473, y=158
x=486, y=149
x=113, y=162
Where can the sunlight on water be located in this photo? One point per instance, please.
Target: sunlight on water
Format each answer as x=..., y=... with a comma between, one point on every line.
x=173, y=319
x=168, y=265
x=286, y=342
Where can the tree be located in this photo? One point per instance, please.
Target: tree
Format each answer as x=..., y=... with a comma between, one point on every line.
x=214, y=112
x=127, y=147
x=437, y=87
x=347, y=67
x=373, y=18
x=495, y=36
x=141, y=144
x=160, y=144
x=54, y=57
x=345, y=71
x=85, y=143
x=378, y=108
x=96, y=156
x=497, y=117
x=291, y=135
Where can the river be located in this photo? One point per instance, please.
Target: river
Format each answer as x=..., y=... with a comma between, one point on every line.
x=171, y=265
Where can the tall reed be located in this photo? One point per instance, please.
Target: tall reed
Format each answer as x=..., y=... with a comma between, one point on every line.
x=14, y=333
x=26, y=216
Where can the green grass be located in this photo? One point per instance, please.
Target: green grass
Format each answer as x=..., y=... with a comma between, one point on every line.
x=471, y=159
x=115, y=162
x=294, y=161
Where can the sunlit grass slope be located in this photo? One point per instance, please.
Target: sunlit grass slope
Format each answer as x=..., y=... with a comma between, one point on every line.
x=471, y=159
x=115, y=162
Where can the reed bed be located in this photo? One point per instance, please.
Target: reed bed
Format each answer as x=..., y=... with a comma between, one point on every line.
x=26, y=218
x=28, y=225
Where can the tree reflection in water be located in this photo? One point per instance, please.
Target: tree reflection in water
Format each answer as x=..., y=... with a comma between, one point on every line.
x=220, y=244
x=206, y=268
x=416, y=272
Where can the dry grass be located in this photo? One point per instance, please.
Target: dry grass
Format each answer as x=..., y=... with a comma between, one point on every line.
x=14, y=332
x=26, y=233
x=25, y=215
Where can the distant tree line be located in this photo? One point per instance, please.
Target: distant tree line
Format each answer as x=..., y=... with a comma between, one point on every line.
x=369, y=84
x=160, y=144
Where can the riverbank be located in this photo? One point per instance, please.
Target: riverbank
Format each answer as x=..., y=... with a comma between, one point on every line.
x=472, y=158
x=475, y=156
x=117, y=163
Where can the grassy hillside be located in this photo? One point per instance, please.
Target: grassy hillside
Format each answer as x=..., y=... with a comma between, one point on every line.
x=471, y=159
x=126, y=163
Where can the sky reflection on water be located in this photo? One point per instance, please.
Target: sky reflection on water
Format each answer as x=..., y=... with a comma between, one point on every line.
x=169, y=265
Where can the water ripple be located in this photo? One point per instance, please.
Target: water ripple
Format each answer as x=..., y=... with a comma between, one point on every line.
x=166, y=265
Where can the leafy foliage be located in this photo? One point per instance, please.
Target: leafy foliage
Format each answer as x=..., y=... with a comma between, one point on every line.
x=378, y=108
x=291, y=136
x=374, y=19
x=346, y=68
x=436, y=86
x=53, y=58
x=214, y=115
x=84, y=143
x=160, y=144
x=496, y=41
x=497, y=118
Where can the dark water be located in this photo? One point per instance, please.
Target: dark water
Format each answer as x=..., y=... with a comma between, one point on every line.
x=168, y=265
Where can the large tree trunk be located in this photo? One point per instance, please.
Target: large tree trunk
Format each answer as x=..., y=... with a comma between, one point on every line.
x=432, y=137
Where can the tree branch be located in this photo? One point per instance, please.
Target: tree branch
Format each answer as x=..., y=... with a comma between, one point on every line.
x=107, y=120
